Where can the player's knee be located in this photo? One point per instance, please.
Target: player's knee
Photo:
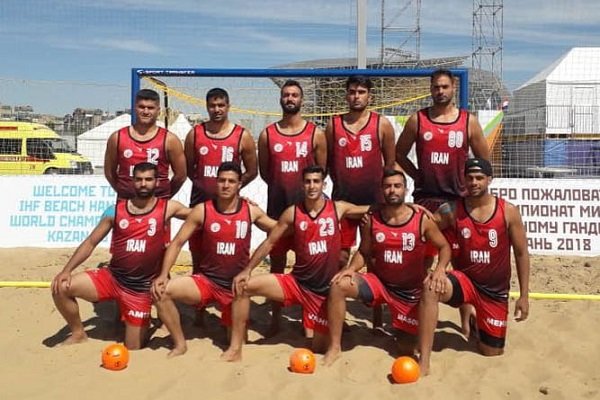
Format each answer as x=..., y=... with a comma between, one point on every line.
x=428, y=296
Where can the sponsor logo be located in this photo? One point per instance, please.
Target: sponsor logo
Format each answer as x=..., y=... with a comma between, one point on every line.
x=496, y=322
x=318, y=320
x=407, y=320
x=278, y=147
x=342, y=142
x=215, y=227
x=127, y=153
x=380, y=237
x=428, y=136
x=303, y=225
x=138, y=314
x=203, y=150
x=123, y=224
x=466, y=233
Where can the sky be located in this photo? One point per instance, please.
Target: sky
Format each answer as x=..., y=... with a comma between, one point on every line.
x=61, y=54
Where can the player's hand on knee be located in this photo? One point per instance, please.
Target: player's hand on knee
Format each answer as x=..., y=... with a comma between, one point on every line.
x=63, y=278
x=345, y=273
x=159, y=285
x=240, y=282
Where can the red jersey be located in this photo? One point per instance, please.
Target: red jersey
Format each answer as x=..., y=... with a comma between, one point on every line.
x=288, y=156
x=224, y=243
x=356, y=162
x=209, y=154
x=131, y=152
x=442, y=150
x=484, y=250
x=138, y=245
x=317, y=244
x=399, y=252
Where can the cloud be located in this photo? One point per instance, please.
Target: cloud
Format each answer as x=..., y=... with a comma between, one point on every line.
x=133, y=45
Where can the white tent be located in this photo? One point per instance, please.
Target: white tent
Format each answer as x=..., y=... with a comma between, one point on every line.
x=92, y=143
x=180, y=126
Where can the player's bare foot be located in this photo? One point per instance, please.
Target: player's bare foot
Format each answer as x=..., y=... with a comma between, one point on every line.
x=177, y=351
x=231, y=355
x=75, y=339
x=331, y=356
x=424, y=370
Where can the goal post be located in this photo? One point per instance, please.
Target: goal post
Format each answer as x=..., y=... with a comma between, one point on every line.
x=254, y=93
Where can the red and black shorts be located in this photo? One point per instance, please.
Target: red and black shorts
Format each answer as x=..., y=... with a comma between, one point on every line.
x=210, y=292
x=134, y=306
x=492, y=314
x=314, y=306
x=404, y=314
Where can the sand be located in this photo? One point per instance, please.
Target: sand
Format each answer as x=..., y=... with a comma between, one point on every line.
x=553, y=355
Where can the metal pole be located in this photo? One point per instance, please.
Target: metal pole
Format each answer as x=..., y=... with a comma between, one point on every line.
x=361, y=34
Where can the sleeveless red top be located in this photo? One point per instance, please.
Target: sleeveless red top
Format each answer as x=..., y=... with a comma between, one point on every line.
x=131, y=152
x=209, y=154
x=288, y=156
x=442, y=150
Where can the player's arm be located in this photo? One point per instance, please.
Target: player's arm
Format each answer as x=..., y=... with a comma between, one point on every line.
x=83, y=251
x=387, y=142
x=477, y=141
x=437, y=278
x=176, y=158
x=357, y=262
x=407, y=138
x=177, y=210
x=349, y=210
x=248, y=154
x=192, y=222
x=284, y=224
x=110, y=160
x=329, y=141
x=518, y=240
x=190, y=154
x=263, y=156
x=320, y=149
x=444, y=216
x=261, y=219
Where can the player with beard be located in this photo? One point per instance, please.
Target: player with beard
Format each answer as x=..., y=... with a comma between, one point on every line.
x=144, y=141
x=486, y=227
x=394, y=237
x=140, y=230
x=360, y=144
x=285, y=148
x=314, y=224
x=443, y=135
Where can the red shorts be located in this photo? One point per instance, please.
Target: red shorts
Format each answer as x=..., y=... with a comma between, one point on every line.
x=405, y=315
x=134, y=306
x=348, y=228
x=492, y=314
x=210, y=292
x=282, y=246
x=314, y=306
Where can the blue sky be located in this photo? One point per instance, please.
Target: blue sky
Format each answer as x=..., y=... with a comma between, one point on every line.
x=57, y=55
